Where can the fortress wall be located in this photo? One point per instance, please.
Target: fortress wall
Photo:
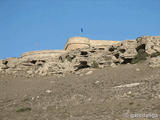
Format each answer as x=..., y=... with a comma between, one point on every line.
x=43, y=54
x=75, y=46
x=73, y=43
x=83, y=42
x=102, y=43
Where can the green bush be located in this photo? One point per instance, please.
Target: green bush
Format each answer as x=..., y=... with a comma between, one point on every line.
x=141, y=56
x=24, y=109
x=69, y=59
x=62, y=61
x=94, y=64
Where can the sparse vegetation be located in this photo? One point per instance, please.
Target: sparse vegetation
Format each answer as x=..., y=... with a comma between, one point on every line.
x=69, y=59
x=94, y=64
x=24, y=109
x=62, y=61
x=141, y=56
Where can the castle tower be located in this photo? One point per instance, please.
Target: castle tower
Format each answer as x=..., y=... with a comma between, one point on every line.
x=83, y=42
x=77, y=42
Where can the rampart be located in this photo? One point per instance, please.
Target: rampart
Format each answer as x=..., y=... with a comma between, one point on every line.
x=102, y=43
x=83, y=42
x=43, y=54
x=72, y=44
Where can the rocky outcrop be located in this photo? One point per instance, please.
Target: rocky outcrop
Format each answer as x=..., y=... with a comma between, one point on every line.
x=151, y=44
x=54, y=68
x=124, y=52
x=60, y=62
x=84, y=58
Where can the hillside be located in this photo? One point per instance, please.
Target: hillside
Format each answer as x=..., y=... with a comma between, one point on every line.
x=103, y=94
x=119, y=82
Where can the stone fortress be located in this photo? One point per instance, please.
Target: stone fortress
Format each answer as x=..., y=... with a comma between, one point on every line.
x=72, y=44
x=83, y=42
x=81, y=53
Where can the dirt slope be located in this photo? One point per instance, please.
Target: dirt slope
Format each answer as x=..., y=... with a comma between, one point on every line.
x=106, y=94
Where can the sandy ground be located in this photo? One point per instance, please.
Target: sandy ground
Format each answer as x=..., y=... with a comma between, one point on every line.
x=118, y=93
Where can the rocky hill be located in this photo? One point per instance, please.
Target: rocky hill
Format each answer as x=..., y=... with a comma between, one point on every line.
x=81, y=53
x=115, y=81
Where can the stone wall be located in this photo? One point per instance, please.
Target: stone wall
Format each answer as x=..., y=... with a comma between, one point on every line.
x=43, y=54
x=83, y=42
x=102, y=43
x=72, y=44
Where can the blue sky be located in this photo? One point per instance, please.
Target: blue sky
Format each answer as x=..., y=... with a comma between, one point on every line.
x=27, y=25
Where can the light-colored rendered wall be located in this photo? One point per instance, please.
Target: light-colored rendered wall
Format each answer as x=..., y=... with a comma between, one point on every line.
x=75, y=46
x=83, y=42
x=43, y=54
x=94, y=43
x=73, y=43
x=77, y=42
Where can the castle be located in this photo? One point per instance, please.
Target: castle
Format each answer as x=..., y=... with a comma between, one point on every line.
x=72, y=44
x=83, y=42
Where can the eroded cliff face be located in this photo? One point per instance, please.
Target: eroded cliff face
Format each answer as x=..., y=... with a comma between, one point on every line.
x=75, y=58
